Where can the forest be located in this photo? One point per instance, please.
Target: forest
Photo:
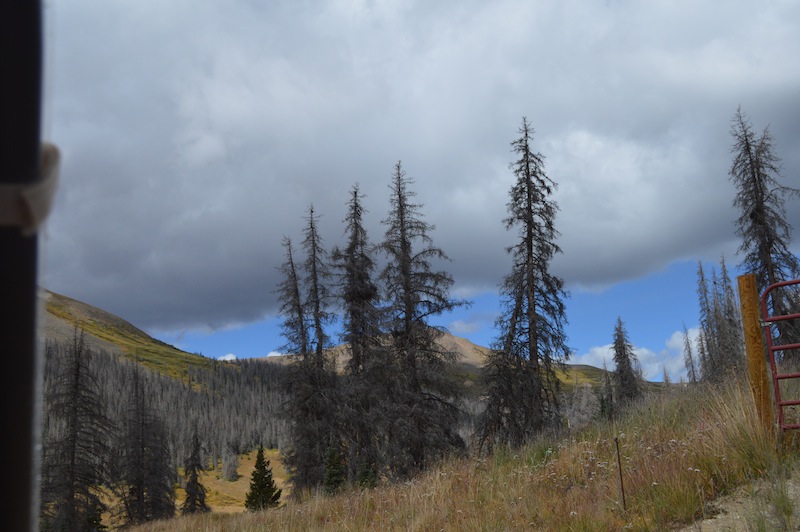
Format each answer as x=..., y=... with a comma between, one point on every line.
x=117, y=438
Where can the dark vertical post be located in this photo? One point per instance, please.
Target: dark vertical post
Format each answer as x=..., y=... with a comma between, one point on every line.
x=20, y=110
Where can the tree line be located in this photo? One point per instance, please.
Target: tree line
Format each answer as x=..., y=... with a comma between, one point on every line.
x=397, y=406
x=764, y=250
x=112, y=427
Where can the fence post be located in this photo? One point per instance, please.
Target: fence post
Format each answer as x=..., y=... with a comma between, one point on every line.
x=754, y=346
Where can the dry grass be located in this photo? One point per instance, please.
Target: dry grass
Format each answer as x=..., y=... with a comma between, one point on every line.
x=227, y=497
x=679, y=450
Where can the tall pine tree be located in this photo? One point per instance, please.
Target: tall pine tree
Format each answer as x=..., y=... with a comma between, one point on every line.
x=144, y=475
x=626, y=379
x=762, y=225
x=76, y=449
x=310, y=382
x=424, y=413
x=722, y=349
x=362, y=412
x=688, y=357
x=520, y=372
x=358, y=292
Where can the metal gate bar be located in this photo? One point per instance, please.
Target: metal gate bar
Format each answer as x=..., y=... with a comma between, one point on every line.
x=767, y=322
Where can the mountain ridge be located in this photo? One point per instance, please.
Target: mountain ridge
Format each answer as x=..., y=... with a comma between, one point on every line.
x=61, y=316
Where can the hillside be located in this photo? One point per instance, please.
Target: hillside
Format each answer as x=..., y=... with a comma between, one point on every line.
x=693, y=457
x=60, y=315
x=104, y=330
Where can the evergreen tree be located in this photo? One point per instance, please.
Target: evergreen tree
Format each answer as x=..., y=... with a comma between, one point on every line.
x=264, y=493
x=729, y=323
x=702, y=355
x=362, y=412
x=625, y=377
x=144, y=475
x=688, y=357
x=76, y=450
x=317, y=275
x=710, y=364
x=295, y=323
x=607, y=410
x=423, y=414
x=762, y=224
x=722, y=350
x=520, y=372
x=357, y=291
x=334, y=471
x=195, y=501
x=310, y=385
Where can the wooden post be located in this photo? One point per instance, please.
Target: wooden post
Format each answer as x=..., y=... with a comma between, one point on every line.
x=754, y=346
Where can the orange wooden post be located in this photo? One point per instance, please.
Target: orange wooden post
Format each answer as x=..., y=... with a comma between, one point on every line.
x=754, y=346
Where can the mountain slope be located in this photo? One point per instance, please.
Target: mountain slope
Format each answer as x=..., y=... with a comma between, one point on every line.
x=61, y=315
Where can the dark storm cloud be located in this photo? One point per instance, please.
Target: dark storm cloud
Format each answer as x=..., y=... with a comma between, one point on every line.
x=195, y=135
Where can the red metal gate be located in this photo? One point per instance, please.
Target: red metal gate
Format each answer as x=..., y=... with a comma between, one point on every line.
x=767, y=323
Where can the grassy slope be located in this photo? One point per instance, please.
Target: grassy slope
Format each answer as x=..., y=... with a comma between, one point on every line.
x=167, y=359
x=228, y=497
x=134, y=343
x=678, y=451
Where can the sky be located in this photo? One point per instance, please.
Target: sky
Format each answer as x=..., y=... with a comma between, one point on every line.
x=195, y=136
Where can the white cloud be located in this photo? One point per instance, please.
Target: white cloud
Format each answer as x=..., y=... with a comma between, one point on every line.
x=652, y=362
x=228, y=357
x=597, y=357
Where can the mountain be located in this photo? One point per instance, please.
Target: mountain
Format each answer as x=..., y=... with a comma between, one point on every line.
x=60, y=316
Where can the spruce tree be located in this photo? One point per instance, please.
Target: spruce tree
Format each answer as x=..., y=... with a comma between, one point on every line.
x=520, y=373
x=334, y=472
x=708, y=340
x=729, y=323
x=607, y=409
x=688, y=357
x=424, y=414
x=317, y=277
x=762, y=224
x=722, y=350
x=144, y=476
x=294, y=326
x=310, y=382
x=195, y=501
x=625, y=375
x=264, y=493
x=358, y=293
x=75, y=444
x=362, y=414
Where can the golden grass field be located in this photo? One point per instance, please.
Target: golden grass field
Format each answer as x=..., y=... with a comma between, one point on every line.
x=227, y=497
